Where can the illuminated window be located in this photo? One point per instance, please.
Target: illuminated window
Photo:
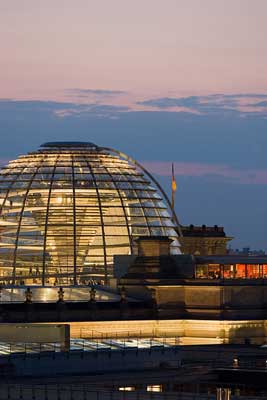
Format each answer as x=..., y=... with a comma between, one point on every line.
x=235, y=362
x=253, y=271
x=214, y=271
x=208, y=271
x=228, y=271
x=154, y=388
x=240, y=271
x=202, y=271
x=126, y=388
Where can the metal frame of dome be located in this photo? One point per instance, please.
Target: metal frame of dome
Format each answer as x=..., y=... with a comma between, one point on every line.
x=69, y=207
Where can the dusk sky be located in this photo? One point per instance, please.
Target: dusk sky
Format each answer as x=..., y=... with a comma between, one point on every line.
x=164, y=81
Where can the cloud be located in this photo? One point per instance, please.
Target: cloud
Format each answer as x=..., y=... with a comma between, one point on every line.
x=207, y=138
x=220, y=158
x=168, y=102
x=213, y=171
x=96, y=110
x=33, y=105
x=60, y=109
x=245, y=95
x=100, y=93
x=260, y=104
x=215, y=103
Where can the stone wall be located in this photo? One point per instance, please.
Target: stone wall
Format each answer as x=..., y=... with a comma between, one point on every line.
x=185, y=331
x=231, y=300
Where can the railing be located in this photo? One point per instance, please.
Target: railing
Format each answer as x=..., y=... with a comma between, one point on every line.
x=93, y=345
x=50, y=294
x=85, y=392
x=187, y=358
x=87, y=333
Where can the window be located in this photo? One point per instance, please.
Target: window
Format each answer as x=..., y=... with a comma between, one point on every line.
x=214, y=271
x=240, y=271
x=202, y=271
x=154, y=388
x=126, y=388
x=228, y=271
x=208, y=271
x=264, y=270
x=253, y=271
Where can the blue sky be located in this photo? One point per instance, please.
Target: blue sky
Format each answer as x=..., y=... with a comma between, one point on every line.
x=180, y=81
x=219, y=151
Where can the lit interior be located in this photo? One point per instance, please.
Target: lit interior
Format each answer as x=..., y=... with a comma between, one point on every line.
x=231, y=271
x=67, y=210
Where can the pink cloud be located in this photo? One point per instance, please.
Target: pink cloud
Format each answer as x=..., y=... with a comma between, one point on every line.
x=242, y=176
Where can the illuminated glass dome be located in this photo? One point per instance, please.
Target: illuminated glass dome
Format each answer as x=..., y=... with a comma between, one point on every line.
x=68, y=208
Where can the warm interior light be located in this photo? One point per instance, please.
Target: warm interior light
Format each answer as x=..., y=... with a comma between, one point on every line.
x=82, y=205
x=235, y=362
x=59, y=200
x=126, y=388
x=154, y=388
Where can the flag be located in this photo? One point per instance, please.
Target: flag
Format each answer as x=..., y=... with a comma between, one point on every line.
x=173, y=186
x=173, y=180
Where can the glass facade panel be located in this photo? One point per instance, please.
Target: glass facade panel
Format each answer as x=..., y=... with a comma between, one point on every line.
x=228, y=271
x=208, y=271
x=240, y=271
x=202, y=271
x=253, y=271
x=66, y=211
x=231, y=271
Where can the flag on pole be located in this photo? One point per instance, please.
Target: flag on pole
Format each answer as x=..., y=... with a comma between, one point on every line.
x=173, y=186
x=173, y=180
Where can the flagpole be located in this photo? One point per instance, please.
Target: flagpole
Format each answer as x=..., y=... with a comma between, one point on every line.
x=173, y=189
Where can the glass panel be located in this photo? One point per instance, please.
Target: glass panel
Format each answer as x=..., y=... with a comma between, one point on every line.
x=228, y=271
x=240, y=271
x=54, y=222
x=202, y=271
x=253, y=271
x=214, y=271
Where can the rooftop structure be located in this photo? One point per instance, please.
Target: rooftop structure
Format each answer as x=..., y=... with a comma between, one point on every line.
x=203, y=231
x=204, y=240
x=69, y=207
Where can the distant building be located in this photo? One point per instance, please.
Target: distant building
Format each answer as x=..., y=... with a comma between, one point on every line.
x=204, y=240
x=246, y=251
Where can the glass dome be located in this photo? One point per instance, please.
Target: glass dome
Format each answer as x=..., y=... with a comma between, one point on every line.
x=68, y=208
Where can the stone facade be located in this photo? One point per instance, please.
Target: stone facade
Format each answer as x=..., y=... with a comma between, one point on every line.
x=177, y=294
x=188, y=331
x=204, y=240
